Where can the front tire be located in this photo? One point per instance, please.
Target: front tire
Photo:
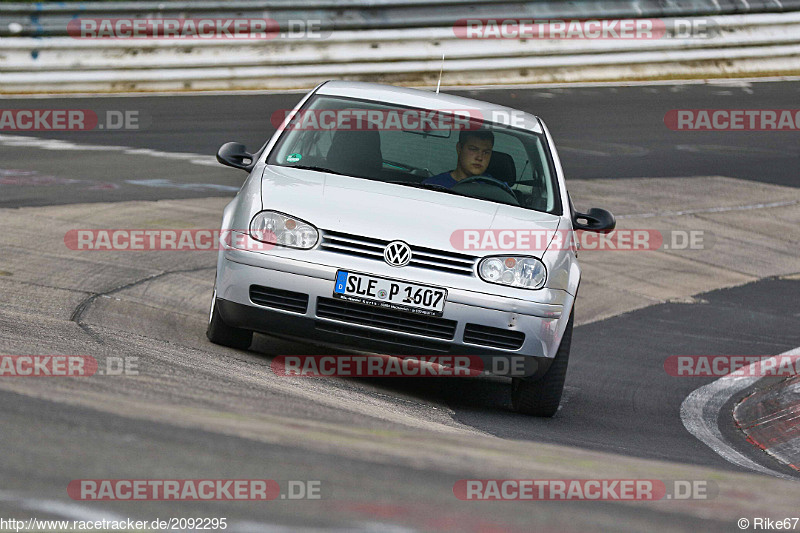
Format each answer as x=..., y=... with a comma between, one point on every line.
x=542, y=396
x=220, y=333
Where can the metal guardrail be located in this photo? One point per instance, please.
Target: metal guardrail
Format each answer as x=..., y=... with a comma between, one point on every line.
x=48, y=19
x=345, y=49
x=741, y=45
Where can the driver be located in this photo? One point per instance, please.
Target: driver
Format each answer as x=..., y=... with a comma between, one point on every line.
x=474, y=149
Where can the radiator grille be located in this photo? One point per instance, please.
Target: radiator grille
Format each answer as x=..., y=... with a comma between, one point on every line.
x=367, y=247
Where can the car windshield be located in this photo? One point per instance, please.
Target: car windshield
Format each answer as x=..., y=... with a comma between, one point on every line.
x=445, y=152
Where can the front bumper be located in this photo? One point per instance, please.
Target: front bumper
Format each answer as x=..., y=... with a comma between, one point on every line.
x=542, y=324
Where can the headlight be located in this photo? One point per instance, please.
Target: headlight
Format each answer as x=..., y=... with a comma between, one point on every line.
x=283, y=230
x=523, y=272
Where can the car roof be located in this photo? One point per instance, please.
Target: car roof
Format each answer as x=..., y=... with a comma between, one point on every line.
x=424, y=99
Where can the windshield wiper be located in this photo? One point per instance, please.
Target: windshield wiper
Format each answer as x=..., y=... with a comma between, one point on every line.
x=317, y=169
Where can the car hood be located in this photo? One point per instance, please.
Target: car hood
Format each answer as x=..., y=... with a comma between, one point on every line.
x=386, y=211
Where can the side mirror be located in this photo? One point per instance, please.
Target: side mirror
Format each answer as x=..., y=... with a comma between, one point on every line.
x=595, y=220
x=236, y=155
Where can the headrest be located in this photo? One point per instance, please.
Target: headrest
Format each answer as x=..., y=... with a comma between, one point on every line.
x=356, y=152
x=502, y=167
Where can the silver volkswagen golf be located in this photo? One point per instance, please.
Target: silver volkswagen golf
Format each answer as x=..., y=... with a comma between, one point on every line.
x=405, y=222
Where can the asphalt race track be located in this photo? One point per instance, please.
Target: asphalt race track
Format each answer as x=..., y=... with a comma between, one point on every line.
x=387, y=452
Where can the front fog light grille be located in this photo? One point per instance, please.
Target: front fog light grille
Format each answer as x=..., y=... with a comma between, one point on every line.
x=505, y=339
x=296, y=302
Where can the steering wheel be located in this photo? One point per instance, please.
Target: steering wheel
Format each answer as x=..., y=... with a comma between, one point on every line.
x=485, y=179
x=490, y=181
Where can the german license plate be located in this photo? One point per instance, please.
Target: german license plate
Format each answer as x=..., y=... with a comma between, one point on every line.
x=389, y=293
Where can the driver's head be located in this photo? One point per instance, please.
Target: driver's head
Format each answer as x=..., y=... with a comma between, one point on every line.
x=474, y=150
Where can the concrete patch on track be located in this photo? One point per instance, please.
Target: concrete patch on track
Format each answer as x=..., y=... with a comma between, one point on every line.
x=750, y=231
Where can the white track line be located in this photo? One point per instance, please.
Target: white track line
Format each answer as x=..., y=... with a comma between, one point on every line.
x=700, y=412
x=53, y=144
x=711, y=210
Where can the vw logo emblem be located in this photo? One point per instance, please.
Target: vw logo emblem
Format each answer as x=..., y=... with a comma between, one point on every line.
x=397, y=254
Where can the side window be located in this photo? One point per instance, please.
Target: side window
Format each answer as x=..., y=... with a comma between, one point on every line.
x=534, y=182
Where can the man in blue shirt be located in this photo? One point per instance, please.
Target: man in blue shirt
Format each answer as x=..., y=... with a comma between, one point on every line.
x=474, y=151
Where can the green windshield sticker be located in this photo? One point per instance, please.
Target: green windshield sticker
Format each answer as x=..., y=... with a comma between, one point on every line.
x=293, y=158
